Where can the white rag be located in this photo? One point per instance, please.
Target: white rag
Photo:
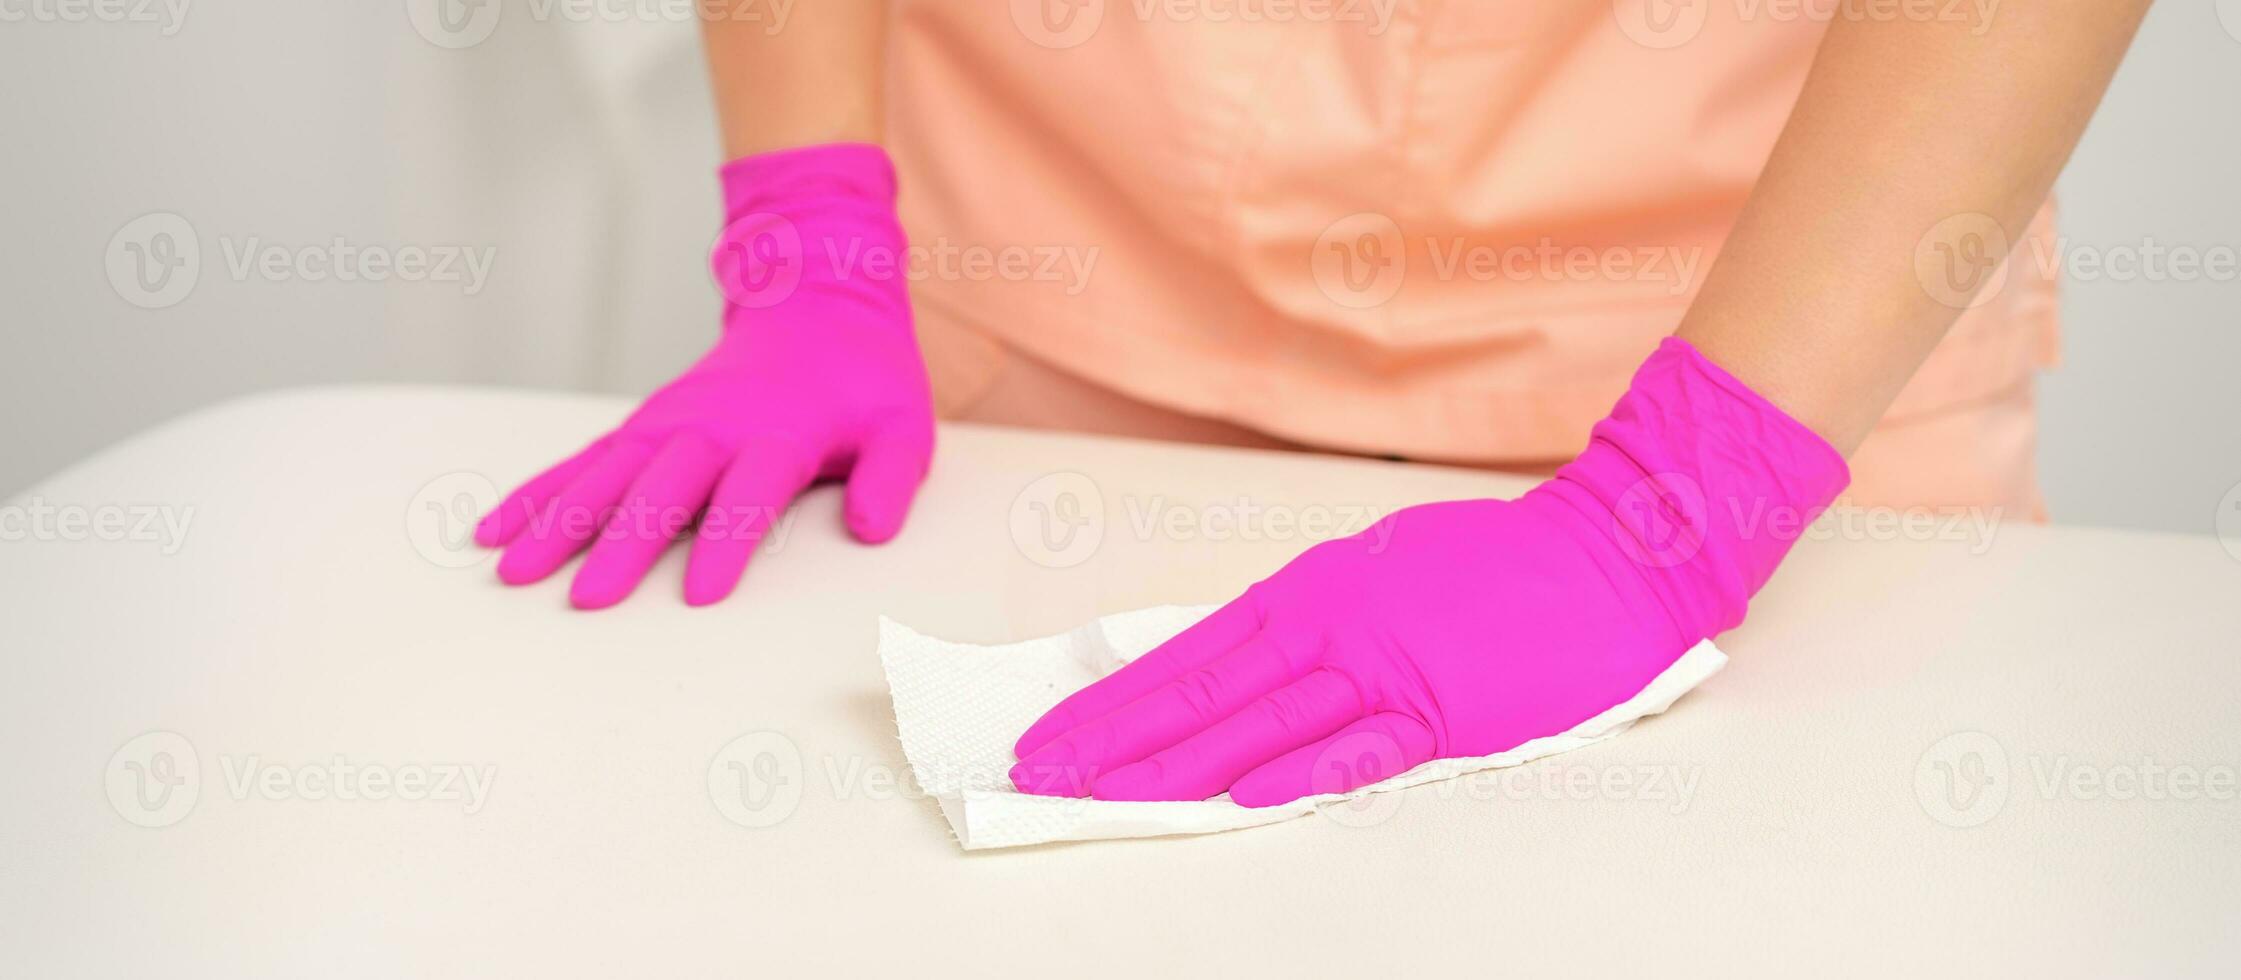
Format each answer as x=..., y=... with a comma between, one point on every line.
x=959, y=707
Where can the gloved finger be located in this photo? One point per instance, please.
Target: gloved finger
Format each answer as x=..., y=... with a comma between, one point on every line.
x=659, y=506
x=1071, y=763
x=1220, y=632
x=515, y=512
x=1205, y=764
x=1371, y=750
x=762, y=480
x=573, y=516
x=889, y=467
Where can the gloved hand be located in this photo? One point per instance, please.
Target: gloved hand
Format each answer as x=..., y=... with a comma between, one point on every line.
x=817, y=376
x=1478, y=626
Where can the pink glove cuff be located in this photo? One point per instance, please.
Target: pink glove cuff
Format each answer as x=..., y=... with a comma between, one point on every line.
x=1702, y=484
x=809, y=220
x=795, y=180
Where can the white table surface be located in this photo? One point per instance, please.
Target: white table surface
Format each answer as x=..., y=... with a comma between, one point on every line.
x=311, y=613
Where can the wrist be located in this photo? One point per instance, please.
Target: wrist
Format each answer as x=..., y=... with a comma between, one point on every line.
x=1700, y=485
x=809, y=178
x=812, y=220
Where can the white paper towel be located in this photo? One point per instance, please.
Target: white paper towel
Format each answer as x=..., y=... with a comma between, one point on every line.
x=959, y=707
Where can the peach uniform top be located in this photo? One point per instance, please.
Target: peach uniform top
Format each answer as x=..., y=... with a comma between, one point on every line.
x=1443, y=230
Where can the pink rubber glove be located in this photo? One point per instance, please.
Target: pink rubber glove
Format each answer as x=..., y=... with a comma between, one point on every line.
x=817, y=377
x=1478, y=626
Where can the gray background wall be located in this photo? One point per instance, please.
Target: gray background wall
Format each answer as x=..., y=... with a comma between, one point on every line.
x=294, y=123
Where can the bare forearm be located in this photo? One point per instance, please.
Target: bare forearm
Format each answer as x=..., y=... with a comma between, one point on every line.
x=1902, y=125
x=815, y=78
